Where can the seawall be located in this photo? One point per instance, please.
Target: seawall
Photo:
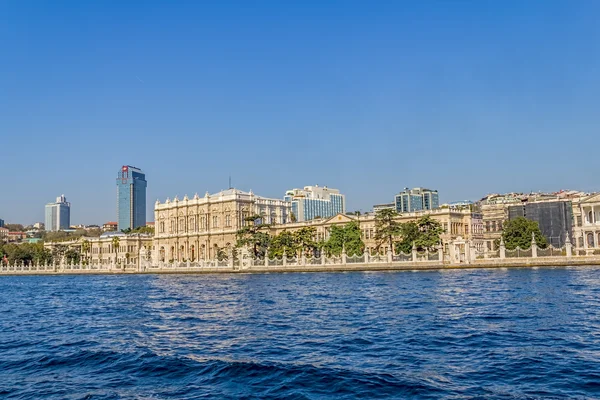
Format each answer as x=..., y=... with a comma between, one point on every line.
x=353, y=267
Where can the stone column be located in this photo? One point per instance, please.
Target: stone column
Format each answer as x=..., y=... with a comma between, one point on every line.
x=344, y=254
x=390, y=256
x=568, y=246
x=473, y=250
x=284, y=258
x=440, y=248
x=322, y=257
x=502, y=249
x=468, y=252
x=366, y=253
x=533, y=246
x=303, y=259
x=414, y=253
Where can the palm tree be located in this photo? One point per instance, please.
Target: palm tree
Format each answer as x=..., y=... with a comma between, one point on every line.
x=85, y=248
x=115, y=244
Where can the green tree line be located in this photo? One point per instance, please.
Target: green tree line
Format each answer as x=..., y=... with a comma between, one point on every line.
x=255, y=235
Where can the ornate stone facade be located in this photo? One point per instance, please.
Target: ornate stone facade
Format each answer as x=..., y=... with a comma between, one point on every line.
x=586, y=224
x=192, y=229
x=131, y=249
x=198, y=228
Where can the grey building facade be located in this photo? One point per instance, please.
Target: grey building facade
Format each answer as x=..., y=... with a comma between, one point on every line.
x=555, y=218
x=58, y=215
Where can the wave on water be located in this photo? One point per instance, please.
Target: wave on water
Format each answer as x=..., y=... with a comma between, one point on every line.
x=468, y=334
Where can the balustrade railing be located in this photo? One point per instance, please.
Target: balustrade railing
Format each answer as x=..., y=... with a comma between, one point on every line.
x=463, y=252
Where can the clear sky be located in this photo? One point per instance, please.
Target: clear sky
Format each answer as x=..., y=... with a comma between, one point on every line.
x=467, y=97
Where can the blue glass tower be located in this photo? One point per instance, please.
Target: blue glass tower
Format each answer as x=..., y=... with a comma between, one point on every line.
x=315, y=202
x=131, y=198
x=417, y=199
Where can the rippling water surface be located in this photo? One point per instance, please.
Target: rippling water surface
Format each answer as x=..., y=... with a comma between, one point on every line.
x=504, y=334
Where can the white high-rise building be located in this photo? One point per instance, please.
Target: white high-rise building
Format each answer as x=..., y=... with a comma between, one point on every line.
x=58, y=214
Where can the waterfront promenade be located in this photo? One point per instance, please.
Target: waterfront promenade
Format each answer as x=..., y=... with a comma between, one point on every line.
x=325, y=264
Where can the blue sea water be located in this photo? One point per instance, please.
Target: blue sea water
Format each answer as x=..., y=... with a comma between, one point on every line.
x=480, y=334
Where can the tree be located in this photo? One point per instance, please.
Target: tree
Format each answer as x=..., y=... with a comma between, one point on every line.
x=115, y=243
x=386, y=227
x=85, y=248
x=293, y=217
x=423, y=233
x=285, y=242
x=305, y=240
x=72, y=256
x=344, y=236
x=430, y=231
x=58, y=252
x=409, y=232
x=14, y=227
x=519, y=231
x=253, y=235
x=143, y=229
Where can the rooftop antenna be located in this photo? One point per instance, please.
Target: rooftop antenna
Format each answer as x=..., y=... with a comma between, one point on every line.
x=230, y=182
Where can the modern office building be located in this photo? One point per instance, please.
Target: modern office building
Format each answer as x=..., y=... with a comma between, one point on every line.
x=58, y=215
x=131, y=198
x=387, y=206
x=1, y=223
x=417, y=199
x=314, y=201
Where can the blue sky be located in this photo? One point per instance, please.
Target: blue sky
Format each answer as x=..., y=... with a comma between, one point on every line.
x=468, y=97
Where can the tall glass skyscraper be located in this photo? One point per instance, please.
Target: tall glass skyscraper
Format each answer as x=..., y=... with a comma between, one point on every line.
x=314, y=201
x=131, y=198
x=58, y=214
x=417, y=199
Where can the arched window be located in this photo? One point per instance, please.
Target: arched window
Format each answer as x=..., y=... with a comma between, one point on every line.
x=172, y=254
x=181, y=253
x=215, y=223
x=192, y=253
x=162, y=253
x=590, y=240
x=228, y=220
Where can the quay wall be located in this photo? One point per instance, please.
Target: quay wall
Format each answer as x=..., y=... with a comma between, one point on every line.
x=183, y=268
